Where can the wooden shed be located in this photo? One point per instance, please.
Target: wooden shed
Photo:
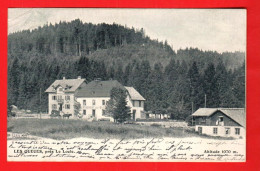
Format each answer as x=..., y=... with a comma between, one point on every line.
x=227, y=122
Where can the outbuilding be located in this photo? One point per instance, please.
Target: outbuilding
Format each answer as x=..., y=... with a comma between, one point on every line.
x=225, y=122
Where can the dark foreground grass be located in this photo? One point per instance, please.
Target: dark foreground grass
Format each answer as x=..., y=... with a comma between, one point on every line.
x=67, y=129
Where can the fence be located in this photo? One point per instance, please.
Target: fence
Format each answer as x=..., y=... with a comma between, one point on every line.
x=35, y=115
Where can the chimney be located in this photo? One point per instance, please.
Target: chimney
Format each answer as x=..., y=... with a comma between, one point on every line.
x=64, y=78
x=79, y=77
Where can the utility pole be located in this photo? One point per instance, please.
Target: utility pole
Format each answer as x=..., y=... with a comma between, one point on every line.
x=205, y=100
x=192, y=107
x=40, y=102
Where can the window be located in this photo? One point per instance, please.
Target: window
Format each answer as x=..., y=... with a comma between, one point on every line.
x=93, y=102
x=237, y=131
x=67, y=106
x=215, y=130
x=103, y=102
x=60, y=89
x=54, y=97
x=134, y=112
x=203, y=120
x=93, y=112
x=220, y=121
x=54, y=107
x=227, y=130
x=103, y=112
x=59, y=97
x=84, y=112
x=140, y=103
x=84, y=102
x=67, y=97
x=200, y=130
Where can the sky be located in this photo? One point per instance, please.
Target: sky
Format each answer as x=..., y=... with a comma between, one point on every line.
x=207, y=29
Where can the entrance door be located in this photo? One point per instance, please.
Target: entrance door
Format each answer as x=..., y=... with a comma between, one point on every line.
x=60, y=108
x=134, y=112
x=200, y=130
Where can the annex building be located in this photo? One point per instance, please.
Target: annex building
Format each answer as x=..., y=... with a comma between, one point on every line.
x=225, y=122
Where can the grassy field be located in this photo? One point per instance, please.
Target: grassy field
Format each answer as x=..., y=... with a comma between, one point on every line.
x=67, y=129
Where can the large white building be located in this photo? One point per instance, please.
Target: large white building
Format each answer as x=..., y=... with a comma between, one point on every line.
x=92, y=97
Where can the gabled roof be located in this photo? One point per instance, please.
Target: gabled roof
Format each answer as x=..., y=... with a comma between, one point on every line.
x=70, y=85
x=134, y=95
x=98, y=88
x=237, y=114
x=103, y=88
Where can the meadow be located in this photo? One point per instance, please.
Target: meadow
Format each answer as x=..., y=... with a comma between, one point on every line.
x=67, y=128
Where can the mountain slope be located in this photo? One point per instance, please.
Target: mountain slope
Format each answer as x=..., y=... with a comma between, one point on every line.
x=170, y=82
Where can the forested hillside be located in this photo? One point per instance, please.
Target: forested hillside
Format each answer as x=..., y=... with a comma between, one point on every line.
x=170, y=81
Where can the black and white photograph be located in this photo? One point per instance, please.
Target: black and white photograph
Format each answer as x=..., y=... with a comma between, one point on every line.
x=122, y=84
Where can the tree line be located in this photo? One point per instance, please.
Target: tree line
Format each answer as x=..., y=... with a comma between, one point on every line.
x=177, y=89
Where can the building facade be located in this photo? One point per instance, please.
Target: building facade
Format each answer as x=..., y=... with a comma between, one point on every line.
x=224, y=122
x=61, y=95
x=136, y=103
x=92, y=97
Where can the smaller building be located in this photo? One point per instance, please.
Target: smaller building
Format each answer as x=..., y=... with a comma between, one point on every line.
x=225, y=122
x=61, y=95
x=136, y=103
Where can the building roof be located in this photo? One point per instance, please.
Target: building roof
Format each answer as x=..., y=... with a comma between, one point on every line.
x=134, y=95
x=237, y=114
x=98, y=88
x=70, y=85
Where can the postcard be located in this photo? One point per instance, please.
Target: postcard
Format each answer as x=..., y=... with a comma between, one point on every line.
x=121, y=84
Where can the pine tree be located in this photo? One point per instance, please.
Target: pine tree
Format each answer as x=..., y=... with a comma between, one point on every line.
x=13, y=82
x=195, y=93
x=222, y=84
x=239, y=86
x=210, y=86
x=122, y=111
x=157, y=102
x=117, y=105
x=145, y=71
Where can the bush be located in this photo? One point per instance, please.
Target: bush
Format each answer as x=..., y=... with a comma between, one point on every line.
x=10, y=113
x=189, y=120
x=55, y=113
x=104, y=119
x=156, y=125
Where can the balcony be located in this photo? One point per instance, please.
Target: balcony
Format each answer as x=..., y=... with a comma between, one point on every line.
x=60, y=100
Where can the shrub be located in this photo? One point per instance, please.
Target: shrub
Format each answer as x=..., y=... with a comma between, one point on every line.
x=156, y=125
x=10, y=113
x=55, y=113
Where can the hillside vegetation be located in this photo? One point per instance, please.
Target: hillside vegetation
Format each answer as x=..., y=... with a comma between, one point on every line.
x=169, y=81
